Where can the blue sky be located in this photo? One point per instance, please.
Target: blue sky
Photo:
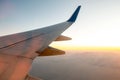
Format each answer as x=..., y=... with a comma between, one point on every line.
x=23, y=15
x=98, y=23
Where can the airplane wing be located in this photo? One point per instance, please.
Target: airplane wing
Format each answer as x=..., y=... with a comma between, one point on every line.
x=17, y=51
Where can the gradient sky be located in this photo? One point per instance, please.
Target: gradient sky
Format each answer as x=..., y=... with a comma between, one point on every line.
x=98, y=23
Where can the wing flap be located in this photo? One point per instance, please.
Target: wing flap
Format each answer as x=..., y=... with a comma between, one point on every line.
x=50, y=52
x=63, y=38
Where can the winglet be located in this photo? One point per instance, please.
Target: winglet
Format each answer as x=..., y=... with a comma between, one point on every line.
x=74, y=16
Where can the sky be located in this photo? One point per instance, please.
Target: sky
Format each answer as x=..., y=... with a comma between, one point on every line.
x=97, y=25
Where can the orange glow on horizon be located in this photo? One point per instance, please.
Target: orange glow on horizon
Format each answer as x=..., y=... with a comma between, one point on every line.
x=87, y=48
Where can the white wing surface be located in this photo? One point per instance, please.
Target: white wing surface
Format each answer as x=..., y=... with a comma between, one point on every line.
x=17, y=51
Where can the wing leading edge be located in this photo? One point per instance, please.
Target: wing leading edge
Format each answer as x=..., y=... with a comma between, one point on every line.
x=18, y=50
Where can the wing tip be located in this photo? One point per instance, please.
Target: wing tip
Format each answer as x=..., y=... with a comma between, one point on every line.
x=75, y=14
